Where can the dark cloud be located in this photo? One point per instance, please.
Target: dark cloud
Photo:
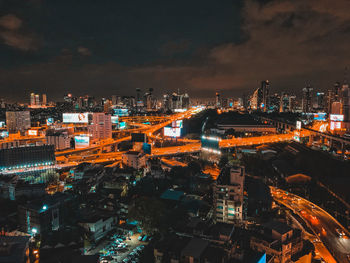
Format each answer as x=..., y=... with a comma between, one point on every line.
x=196, y=46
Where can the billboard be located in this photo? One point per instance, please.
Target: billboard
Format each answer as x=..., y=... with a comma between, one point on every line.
x=147, y=148
x=320, y=116
x=121, y=112
x=336, y=117
x=2, y=124
x=81, y=141
x=76, y=117
x=335, y=125
x=122, y=125
x=49, y=121
x=298, y=125
x=172, y=132
x=177, y=124
x=296, y=136
x=138, y=137
x=32, y=132
x=4, y=134
x=114, y=119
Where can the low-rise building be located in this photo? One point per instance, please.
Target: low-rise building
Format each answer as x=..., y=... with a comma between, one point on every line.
x=99, y=225
x=134, y=159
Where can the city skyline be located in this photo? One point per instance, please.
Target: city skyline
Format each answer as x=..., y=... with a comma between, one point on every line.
x=200, y=48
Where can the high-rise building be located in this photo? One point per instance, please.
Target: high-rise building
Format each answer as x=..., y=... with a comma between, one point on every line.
x=306, y=100
x=284, y=102
x=32, y=99
x=101, y=126
x=186, y=101
x=228, y=195
x=217, y=100
x=265, y=86
x=114, y=100
x=320, y=101
x=345, y=101
x=292, y=103
x=44, y=100
x=17, y=121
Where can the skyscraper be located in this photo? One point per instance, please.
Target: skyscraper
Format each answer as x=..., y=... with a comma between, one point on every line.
x=306, y=100
x=345, y=102
x=265, y=86
x=44, y=100
x=217, y=100
x=320, y=100
x=101, y=126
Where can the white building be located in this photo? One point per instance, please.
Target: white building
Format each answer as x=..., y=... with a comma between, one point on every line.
x=61, y=140
x=134, y=159
x=99, y=226
x=228, y=195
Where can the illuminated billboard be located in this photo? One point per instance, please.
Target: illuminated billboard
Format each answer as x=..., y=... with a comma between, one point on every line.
x=121, y=112
x=114, y=119
x=172, y=132
x=4, y=134
x=296, y=136
x=76, y=117
x=122, y=125
x=336, y=117
x=2, y=124
x=49, y=121
x=147, y=148
x=298, y=125
x=335, y=125
x=81, y=141
x=32, y=132
x=320, y=116
x=177, y=124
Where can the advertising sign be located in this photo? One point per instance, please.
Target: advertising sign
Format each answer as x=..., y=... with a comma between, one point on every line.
x=320, y=116
x=298, y=125
x=49, y=121
x=121, y=112
x=336, y=117
x=172, y=132
x=335, y=125
x=114, y=119
x=4, y=134
x=32, y=132
x=2, y=124
x=147, y=148
x=81, y=141
x=122, y=125
x=76, y=117
x=208, y=142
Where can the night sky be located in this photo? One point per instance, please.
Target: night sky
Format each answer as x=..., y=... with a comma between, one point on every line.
x=105, y=47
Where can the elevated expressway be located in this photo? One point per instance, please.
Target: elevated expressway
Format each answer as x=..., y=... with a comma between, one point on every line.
x=336, y=248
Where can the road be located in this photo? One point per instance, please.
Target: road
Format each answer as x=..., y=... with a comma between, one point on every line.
x=322, y=224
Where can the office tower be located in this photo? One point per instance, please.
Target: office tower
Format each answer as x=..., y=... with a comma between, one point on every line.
x=114, y=100
x=320, y=101
x=217, y=100
x=60, y=139
x=101, y=126
x=228, y=195
x=330, y=100
x=107, y=106
x=37, y=100
x=337, y=90
x=345, y=101
x=284, y=102
x=292, y=103
x=17, y=121
x=186, y=101
x=44, y=100
x=32, y=99
x=256, y=100
x=265, y=86
x=138, y=92
x=306, y=100
x=166, y=102
x=274, y=103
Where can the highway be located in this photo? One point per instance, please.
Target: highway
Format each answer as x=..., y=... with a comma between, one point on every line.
x=326, y=227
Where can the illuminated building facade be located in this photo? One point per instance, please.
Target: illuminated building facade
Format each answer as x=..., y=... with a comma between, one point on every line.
x=228, y=195
x=306, y=100
x=17, y=121
x=101, y=126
